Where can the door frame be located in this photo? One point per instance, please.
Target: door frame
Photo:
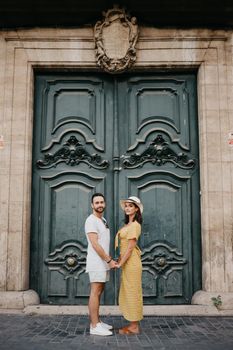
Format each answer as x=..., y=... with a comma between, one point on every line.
x=73, y=49
x=190, y=79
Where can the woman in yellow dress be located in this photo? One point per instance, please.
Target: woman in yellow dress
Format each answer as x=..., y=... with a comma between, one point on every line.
x=130, y=296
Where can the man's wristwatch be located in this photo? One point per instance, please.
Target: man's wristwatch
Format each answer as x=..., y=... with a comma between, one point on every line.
x=109, y=261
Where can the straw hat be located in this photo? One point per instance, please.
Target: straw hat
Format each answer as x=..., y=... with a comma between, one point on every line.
x=134, y=200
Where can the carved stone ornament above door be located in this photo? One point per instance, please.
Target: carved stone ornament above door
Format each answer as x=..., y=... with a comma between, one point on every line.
x=115, y=39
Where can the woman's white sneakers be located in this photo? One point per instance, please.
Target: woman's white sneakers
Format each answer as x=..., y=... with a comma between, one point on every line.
x=101, y=329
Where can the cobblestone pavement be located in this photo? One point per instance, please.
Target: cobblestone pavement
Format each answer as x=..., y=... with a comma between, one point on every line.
x=24, y=332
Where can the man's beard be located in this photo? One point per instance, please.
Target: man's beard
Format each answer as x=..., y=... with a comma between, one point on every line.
x=99, y=210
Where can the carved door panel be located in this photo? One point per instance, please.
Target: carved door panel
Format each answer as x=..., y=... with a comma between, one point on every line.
x=120, y=135
x=159, y=151
x=72, y=160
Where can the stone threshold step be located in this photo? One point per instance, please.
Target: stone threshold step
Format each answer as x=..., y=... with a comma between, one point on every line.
x=110, y=310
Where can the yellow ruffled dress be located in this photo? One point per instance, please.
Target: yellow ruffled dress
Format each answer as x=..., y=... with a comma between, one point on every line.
x=130, y=296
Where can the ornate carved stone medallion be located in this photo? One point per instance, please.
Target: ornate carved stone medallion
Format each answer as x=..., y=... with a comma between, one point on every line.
x=115, y=39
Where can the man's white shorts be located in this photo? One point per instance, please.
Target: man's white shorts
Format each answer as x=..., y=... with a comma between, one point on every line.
x=99, y=276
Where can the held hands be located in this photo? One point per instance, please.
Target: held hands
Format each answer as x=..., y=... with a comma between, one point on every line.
x=118, y=265
x=112, y=264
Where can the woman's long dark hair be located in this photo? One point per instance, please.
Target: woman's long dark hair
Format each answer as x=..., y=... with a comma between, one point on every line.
x=137, y=217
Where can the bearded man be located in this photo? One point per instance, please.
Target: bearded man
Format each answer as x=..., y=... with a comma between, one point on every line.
x=99, y=262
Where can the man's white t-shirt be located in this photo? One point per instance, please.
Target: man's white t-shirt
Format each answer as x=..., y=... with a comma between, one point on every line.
x=94, y=261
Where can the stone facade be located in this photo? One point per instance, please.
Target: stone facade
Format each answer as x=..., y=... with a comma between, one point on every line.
x=209, y=52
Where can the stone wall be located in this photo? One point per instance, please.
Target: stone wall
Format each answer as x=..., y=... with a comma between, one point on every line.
x=210, y=52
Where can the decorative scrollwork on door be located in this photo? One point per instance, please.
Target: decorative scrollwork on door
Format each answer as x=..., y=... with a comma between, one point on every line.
x=160, y=258
x=158, y=152
x=72, y=153
x=69, y=259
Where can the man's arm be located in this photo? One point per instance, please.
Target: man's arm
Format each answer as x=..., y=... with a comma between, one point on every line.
x=99, y=250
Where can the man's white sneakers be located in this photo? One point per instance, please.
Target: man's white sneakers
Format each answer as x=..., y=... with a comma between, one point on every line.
x=100, y=329
x=105, y=325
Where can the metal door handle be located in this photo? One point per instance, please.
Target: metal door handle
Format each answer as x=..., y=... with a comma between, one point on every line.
x=161, y=261
x=71, y=261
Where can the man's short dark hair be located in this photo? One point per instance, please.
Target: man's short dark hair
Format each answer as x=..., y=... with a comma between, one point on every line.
x=97, y=195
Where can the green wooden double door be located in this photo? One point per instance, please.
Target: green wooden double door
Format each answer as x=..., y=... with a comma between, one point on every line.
x=119, y=135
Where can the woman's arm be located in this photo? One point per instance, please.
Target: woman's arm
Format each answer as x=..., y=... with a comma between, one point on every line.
x=131, y=245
